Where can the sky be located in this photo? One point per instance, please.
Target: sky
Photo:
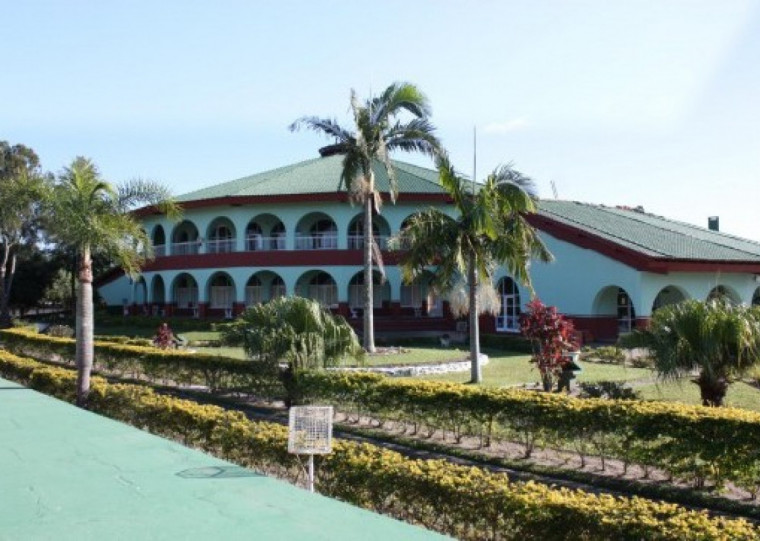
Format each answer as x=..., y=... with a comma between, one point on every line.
x=635, y=102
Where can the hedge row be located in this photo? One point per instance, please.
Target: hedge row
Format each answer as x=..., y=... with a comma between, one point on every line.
x=465, y=502
x=690, y=442
x=216, y=373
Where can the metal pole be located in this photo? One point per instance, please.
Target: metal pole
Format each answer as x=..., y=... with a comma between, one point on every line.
x=311, y=473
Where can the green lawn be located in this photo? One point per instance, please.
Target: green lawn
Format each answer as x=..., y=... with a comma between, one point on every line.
x=740, y=395
x=507, y=369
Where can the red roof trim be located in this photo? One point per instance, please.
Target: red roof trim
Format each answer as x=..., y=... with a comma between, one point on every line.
x=341, y=197
x=632, y=258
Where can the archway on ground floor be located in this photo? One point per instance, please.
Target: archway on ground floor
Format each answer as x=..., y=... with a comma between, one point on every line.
x=158, y=238
x=319, y=286
x=381, y=231
x=421, y=297
x=668, y=295
x=381, y=290
x=724, y=293
x=756, y=297
x=508, y=319
x=263, y=286
x=185, y=239
x=614, y=301
x=221, y=291
x=220, y=236
x=265, y=232
x=140, y=291
x=185, y=292
x=157, y=290
x=316, y=231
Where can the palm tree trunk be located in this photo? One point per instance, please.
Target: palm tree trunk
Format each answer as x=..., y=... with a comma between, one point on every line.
x=5, y=316
x=476, y=375
x=369, y=320
x=84, y=328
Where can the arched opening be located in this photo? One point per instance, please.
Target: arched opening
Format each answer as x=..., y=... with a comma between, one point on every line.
x=614, y=301
x=668, y=295
x=221, y=237
x=221, y=292
x=185, y=293
x=185, y=239
x=140, y=291
x=319, y=286
x=262, y=287
x=158, y=295
x=381, y=291
x=316, y=231
x=159, y=241
x=421, y=298
x=756, y=297
x=508, y=319
x=403, y=245
x=381, y=231
x=724, y=293
x=265, y=232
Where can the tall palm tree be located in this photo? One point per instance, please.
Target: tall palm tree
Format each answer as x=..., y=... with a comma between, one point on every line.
x=713, y=339
x=91, y=215
x=489, y=230
x=377, y=131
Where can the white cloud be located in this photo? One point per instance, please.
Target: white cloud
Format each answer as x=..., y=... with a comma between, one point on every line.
x=506, y=127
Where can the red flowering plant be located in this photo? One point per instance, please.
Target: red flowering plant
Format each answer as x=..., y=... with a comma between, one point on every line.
x=552, y=336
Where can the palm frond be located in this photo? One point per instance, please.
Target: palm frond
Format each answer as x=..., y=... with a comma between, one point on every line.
x=325, y=126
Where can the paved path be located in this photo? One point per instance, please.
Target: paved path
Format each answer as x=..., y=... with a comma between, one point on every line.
x=66, y=474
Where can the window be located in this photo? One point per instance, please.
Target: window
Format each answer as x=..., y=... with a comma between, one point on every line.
x=509, y=317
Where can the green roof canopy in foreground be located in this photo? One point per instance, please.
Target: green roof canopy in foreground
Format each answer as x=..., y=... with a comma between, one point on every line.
x=66, y=473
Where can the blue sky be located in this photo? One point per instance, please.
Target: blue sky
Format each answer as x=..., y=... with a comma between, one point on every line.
x=647, y=102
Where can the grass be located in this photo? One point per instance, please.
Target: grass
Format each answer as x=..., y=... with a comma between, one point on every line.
x=739, y=395
x=509, y=369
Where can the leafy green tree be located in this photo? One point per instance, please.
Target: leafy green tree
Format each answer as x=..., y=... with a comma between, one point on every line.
x=59, y=291
x=490, y=230
x=35, y=271
x=377, y=131
x=93, y=216
x=295, y=332
x=714, y=339
x=23, y=190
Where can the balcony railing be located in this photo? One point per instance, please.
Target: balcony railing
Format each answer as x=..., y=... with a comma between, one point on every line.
x=317, y=242
x=220, y=246
x=159, y=250
x=254, y=243
x=185, y=248
x=356, y=242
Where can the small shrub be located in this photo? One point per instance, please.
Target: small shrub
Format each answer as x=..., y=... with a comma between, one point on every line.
x=614, y=390
x=60, y=331
x=604, y=354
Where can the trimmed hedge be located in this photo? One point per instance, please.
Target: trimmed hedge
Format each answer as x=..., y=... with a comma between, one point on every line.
x=465, y=502
x=693, y=443
x=217, y=373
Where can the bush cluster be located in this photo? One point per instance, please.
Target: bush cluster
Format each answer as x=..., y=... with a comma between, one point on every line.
x=466, y=502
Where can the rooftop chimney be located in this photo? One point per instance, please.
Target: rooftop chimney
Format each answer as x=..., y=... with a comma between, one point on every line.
x=713, y=223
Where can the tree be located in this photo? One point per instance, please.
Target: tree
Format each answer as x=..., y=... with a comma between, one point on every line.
x=91, y=215
x=23, y=189
x=715, y=339
x=490, y=229
x=295, y=331
x=377, y=132
x=552, y=335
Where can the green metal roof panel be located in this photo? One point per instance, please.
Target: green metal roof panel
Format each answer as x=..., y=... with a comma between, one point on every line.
x=320, y=175
x=649, y=234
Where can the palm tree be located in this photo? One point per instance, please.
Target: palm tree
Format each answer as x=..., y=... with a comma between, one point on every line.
x=91, y=215
x=377, y=132
x=714, y=339
x=490, y=230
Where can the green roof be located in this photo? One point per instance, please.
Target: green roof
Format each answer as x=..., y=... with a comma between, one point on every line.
x=649, y=234
x=320, y=175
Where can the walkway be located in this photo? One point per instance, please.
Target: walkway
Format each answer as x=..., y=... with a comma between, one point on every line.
x=66, y=474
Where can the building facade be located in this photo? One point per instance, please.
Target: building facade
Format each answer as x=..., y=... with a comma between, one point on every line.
x=293, y=230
